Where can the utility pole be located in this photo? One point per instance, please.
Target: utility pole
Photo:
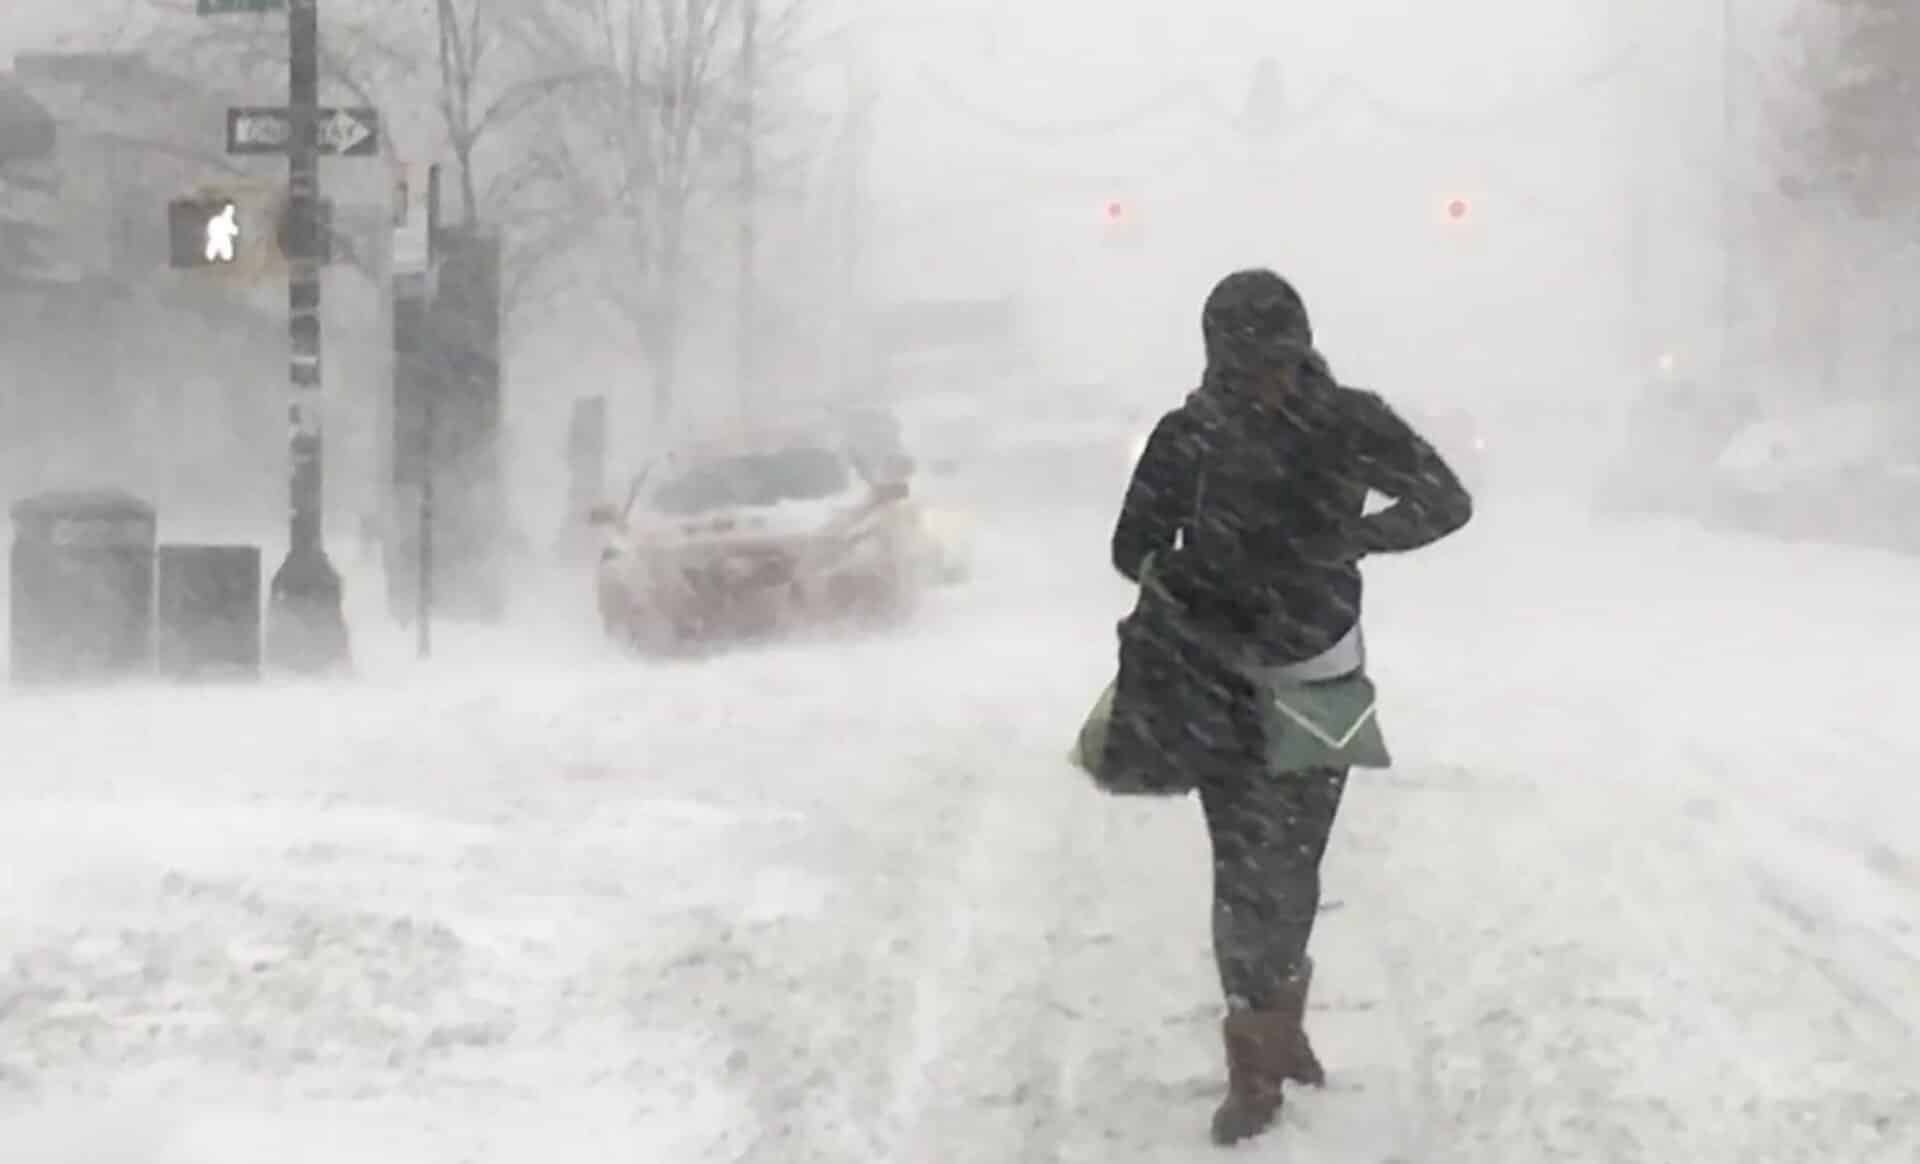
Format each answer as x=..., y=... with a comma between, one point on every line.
x=1729, y=233
x=856, y=144
x=749, y=367
x=1627, y=35
x=306, y=627
x=419, y=368
x=423, y=591
x=430, y=383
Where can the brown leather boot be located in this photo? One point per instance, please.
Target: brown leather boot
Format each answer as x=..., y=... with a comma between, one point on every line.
x=1303, y=1066
x=1259, y=1049
x=1265, y=1050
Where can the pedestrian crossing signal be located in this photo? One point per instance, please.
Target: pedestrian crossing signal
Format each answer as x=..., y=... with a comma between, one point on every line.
x=238, y=231
x=206, y=232
x=222, y=229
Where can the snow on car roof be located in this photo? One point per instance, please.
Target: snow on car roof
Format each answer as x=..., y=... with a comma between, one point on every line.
x=758, y=439
x=1829, y=435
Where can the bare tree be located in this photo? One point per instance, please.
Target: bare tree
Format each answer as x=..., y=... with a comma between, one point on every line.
x=641, y=154
x=485, y=88
x=1851, y=164
x=597, y=133
x=1866, y=143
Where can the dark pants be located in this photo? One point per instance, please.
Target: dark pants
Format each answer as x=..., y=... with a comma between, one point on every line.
x=1269, y=831
x=1183, y=717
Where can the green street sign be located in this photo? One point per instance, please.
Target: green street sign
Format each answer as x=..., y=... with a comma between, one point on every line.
x=223, y=7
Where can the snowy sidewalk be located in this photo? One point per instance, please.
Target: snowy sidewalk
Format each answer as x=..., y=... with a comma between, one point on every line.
x=845, y=901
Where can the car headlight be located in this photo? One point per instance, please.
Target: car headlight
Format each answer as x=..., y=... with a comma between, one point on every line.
x=947, y=524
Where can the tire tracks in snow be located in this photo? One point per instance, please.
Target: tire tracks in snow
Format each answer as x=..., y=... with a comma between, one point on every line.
x=1034, y=1011
x=1648, y=989
x=1843, y=903
x=964, y=1089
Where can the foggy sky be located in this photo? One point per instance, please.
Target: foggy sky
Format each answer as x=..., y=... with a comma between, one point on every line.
x=1349, y=208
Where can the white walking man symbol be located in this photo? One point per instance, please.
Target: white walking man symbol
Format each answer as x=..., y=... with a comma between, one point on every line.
x=222, y=229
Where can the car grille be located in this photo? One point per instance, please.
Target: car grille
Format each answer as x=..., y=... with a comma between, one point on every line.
x=744, y=570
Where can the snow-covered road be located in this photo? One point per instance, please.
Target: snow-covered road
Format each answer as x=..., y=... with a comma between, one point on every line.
x=1644, y=888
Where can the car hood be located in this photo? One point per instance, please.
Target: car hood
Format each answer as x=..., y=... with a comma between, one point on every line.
x=782, y=526
x=1805, y=444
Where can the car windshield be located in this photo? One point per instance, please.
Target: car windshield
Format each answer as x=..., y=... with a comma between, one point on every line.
x=753, y=480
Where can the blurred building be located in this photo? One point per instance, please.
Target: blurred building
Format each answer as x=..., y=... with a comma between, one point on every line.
x=114, y=368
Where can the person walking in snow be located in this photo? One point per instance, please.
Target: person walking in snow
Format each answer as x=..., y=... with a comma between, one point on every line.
x=1242, y=668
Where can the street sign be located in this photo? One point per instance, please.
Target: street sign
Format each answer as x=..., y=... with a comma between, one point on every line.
x=350, y=133
x=225, y=7
x=414, y=190
x=258, y=131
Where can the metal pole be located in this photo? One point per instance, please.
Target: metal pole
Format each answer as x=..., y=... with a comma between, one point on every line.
x=749, y=199
x=433, y=353
x=1627, y=35
x=306, y=629
x=853, y=143
x=423, y=617
x=1729, y=244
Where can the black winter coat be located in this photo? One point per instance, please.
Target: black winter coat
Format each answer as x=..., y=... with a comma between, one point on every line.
x=1256, y=522
x=1250, y=499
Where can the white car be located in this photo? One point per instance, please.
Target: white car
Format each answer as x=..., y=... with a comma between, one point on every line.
x=745, y=538
x=1837, y=473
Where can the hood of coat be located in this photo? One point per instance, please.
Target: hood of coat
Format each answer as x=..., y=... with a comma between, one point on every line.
x=1262, y=366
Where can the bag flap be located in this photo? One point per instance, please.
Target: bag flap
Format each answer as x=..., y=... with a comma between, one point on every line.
x=1333, y=713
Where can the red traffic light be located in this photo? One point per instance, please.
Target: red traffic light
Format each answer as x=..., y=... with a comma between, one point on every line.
x=1119, y=224
x=1458, y=209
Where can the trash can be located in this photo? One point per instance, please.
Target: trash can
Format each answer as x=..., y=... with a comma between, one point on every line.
x=81, y=573
x=209, y=612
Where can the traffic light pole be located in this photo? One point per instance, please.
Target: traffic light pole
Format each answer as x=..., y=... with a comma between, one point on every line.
x=428, y=386
x=749, y=366
x=306, y=626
